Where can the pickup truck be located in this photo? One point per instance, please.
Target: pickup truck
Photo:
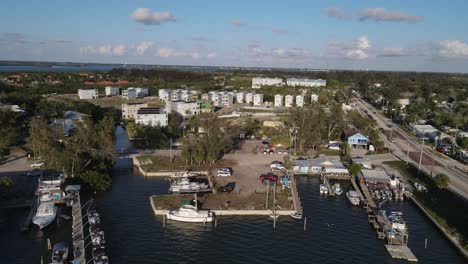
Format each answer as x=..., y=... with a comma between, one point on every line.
x=268, y=177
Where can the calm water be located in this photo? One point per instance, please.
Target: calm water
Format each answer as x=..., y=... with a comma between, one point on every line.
x=336, y=232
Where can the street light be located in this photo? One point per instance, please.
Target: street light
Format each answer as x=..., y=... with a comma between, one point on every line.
x=420, y=157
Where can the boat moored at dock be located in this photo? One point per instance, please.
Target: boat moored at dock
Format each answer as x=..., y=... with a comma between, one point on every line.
x=337, y=189
x=45, y=214
x=353, y=197
x=60, y=253
x=323, y=189
x=190, y=213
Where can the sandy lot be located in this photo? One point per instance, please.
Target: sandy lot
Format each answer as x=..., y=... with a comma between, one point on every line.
x=247, y=167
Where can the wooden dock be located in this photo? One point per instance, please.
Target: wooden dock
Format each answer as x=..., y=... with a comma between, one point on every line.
x=296, y=201
x=401, y=252
x=367, y=195
x=356, y=188
x=327, y=183
x=27, y=222
x=77, y=231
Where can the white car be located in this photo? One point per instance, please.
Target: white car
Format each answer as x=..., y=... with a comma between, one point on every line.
x=277, y=165
x=37, y=164
x=224, y=174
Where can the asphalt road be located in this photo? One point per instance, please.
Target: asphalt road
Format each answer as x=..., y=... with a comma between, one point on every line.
x=407, y=148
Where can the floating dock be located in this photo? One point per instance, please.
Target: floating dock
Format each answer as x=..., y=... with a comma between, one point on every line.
x=77, y=231
x=401, y=252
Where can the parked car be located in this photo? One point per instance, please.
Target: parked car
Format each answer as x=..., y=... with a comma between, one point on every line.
x=37, y=164
x=228, y=187
x=334, y=146
x=268, y=177
x=278, y=165
x=224, y=172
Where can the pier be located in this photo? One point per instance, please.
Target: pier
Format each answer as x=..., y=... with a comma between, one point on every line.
x=296, y=200
x=27, y=222
x=368, y=196
x=77, y=231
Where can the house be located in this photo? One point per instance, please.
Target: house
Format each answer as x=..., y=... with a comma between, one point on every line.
x=164, y=94
x=374, y=178
x=306, y=82
x=142, y=92
x=249, y=98
x=129, y=110
x=240, y=97
x=314, y=98
x=320, y=165
x=88, y=93
x=299, y=100
x=357, y=138
x=183, y=108
x=151, y=116
x=227, y=99
x=67, y=124
x=258, y=82
x=288, y=101
x=279, y=100
x=258, y=99
x=13, y=108
x=112, y=90
x=424, y=131
x=129, y=94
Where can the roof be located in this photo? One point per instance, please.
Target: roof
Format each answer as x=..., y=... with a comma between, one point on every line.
x=320, y=161
x=74, y=115
x=352, y=132
x=374, y=175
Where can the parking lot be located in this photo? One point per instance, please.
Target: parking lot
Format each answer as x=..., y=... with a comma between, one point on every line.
x=247, y=167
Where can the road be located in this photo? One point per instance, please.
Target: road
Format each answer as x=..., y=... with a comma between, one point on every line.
x=408, y=149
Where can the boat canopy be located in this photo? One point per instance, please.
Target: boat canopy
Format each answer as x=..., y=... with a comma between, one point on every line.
x=72, y=188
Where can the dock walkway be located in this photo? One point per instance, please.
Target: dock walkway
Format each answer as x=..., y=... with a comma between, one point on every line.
x=77, y=231
x=296, y=201
x=367, y=195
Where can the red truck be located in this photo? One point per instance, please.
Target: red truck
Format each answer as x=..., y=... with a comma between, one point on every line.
x=268, y=177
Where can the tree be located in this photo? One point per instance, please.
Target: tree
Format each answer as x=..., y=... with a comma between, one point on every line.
x=6, y=182
x=287, y=162
x=354, y=168
x=442, y=181
x=97, y=181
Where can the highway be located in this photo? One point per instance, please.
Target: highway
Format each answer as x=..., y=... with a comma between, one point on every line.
x=408, y=149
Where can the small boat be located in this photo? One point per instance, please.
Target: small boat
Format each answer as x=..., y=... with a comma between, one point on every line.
x=337, y=189
x=190, y=213
x=420, y=187
x=353, y=197
x=323, y=189
x=296, y=215
x=274, y=215
x=45, y=214
x=94, y=218
x=60, y=253
x=97, y=236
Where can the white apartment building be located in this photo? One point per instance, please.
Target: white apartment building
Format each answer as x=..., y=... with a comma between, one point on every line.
x=240, y=97
x=258, y=82
x=249, y=98
x=129, y=110
x=141, y=92
x=299, y=100
x=112, y=90
x=306, y=82
x=314, y=98
x=88, y=93
x=185, y=109
x=164, y=94
x=176, y=95
x=258, y=99
x=279, y=100
x=151, y=116
x=288, y=101
x=216, y=98
x=129, y=94
x=227, y=99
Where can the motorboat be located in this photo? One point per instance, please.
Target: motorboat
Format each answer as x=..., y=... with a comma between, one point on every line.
x=94, y=218
x=323, y=189
x=50, y=196
x=337, y=189
x=393, y=220
x=190, y=213
x=99, y=256
x=45, y=214
x=353, y=197
x=97, y=236
x=420, y=187
x=60, y=253
x=184, y=185
x=296, y=215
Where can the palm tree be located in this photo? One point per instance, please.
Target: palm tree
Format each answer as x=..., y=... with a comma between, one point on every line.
x=441, y=180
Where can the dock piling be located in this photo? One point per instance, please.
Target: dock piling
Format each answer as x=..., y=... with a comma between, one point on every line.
x=164, y=220
x=425, y=243
x=216, y=222
x=305, y=223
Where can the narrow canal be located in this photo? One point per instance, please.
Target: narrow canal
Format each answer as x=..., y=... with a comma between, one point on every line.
x=336, y=231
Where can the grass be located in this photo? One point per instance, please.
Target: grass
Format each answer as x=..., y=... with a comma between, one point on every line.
x=446, y=207
x=329, y=152
x=151, y=163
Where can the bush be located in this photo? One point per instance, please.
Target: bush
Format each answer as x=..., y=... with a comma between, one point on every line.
x=97, y=181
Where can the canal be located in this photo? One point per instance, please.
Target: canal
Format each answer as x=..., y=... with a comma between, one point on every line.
x=336, y=231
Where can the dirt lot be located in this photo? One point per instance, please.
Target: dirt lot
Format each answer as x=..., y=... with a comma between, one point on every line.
x=247, y=167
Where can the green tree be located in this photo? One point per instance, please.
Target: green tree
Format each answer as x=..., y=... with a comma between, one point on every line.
x=6, y=182
x=97, y=181
x=442, y=181
x=354, y=168
x=287, y=162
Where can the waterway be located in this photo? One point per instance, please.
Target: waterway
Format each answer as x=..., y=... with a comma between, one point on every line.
x=336, y=231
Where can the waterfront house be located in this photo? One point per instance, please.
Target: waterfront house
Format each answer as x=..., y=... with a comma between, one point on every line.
x=151, y=116
x=129, y=110
x=322, y=164
x=357, y=138
x=375, y=178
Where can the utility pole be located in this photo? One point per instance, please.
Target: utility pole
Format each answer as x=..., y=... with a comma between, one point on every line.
x=407, y=152
x=170, y=150
x=432, y=165
x=420, y=157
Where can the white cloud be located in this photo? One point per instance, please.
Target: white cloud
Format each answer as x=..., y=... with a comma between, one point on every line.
x=195, y=55
x=393, y=52
x=211, y=55
x=143, y=46
x=165, y=52
x=357, y=54
x=115, y=50
x=168, y=52
x=358, y=49
x=362, y=43
x=119, y=50
x=453, y=49
x=148, y=17
x=238, y=22
x=381, y=14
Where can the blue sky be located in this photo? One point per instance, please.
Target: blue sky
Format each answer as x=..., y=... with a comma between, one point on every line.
x=348, y=34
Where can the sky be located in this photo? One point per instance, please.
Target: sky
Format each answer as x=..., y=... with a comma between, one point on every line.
x=397, y=35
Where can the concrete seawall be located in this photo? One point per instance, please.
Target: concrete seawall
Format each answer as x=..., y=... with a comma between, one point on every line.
x=229, y=212
x=451, y=238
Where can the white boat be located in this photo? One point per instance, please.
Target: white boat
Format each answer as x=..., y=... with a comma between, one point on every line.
x=296, y=215
x=274, y=215
x=190, y=213
x=323, y=189
x=393, y=220
x=60, y=253
x=337, y=189
x=184, y=185
x=45, y=214
x=420, y=187
x=353, y=197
